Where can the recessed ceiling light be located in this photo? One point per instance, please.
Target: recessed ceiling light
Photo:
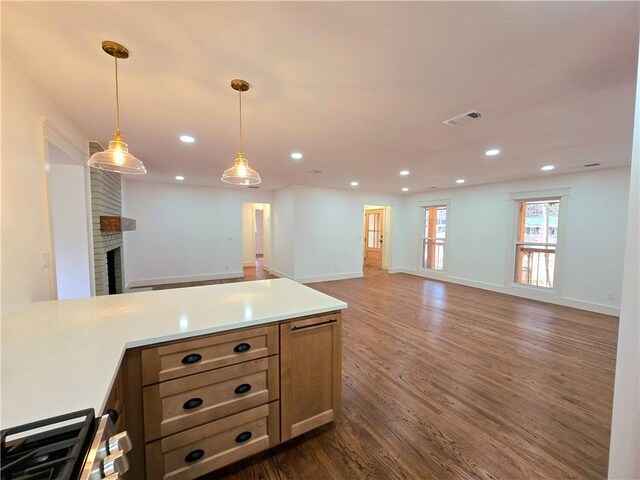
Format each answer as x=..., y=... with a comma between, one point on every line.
x=296, y=155
x=179, y=177
x=547, y=167
x=354, y=184
x=492, y=152
x=405, y=189
x=187, y=139
x=404, y=172
x=460, y=180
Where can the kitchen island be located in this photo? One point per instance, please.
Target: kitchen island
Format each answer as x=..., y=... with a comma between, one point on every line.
x=62, y=356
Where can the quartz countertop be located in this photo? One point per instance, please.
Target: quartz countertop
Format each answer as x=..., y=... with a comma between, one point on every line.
x=62, y=356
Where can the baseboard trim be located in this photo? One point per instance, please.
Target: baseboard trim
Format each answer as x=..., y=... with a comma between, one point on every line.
x=329, y=278
x=183, y=279
x=524, y=293
x=399, y=270
x=277, y=273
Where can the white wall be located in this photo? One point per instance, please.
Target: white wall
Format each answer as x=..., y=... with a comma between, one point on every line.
x=184, y=232
x=283, y=219
x=479, y=237
x=267, y=229
x=69, y=218
x=323, y=232
x=624, y=452
x=259, y=235
x=248, y=248
x=24, y=221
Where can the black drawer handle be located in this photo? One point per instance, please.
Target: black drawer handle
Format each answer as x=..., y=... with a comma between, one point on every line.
x=296, y=327
x=242, y=347
x=192, y=403
x=192, y=358
x=243, y=437
x=244, y=388
x=194, y=455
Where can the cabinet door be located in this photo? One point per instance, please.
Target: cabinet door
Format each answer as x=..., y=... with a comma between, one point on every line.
x=311, y=373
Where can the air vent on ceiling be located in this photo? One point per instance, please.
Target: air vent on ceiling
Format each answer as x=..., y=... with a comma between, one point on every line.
x=253, y=186
x=432, y=188
x=592, y=165
x=314, y=172
x=464, y=118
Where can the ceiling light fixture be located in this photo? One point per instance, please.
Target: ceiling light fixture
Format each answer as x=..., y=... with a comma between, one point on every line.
x=179, y=177
x=492, y=152
x=187, y=139
x=460, y=180
x=546, y=168
x=240, y=173
x=296, y=155
x=405, y=189
x=354, y=184
x=404, y=172
x=117, y=157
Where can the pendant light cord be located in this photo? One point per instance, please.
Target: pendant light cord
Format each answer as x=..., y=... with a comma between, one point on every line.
x=117, y=98
x=240, y=94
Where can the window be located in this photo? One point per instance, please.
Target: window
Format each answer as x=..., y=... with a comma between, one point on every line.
x=435, y=231
x=536, y=242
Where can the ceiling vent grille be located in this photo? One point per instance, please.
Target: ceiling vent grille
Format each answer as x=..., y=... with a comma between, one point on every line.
x=314, y=172
x=588, y=165
x=464, y=118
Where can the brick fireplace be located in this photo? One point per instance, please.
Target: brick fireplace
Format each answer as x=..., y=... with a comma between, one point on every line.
x=106, y=199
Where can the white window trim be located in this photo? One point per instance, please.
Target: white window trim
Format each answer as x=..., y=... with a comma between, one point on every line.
x=446, y=202
x=535, y=291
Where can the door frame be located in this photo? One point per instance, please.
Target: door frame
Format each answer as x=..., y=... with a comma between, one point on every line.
x=51, y=135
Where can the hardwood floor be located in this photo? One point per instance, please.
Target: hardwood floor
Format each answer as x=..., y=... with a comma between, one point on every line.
x=450, y=382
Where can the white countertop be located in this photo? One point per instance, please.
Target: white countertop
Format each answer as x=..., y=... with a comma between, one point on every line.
x=62, y=356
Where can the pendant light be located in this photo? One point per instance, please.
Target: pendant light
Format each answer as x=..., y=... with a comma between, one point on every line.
x=117, y=157
x=240, y=173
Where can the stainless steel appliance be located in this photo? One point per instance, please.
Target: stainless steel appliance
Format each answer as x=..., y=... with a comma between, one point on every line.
x=75, y=446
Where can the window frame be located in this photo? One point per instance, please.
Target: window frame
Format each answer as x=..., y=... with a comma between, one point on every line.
x=562, y=195
x=446, y=203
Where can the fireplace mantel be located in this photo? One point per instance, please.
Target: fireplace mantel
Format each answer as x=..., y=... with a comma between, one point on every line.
x=113, y=224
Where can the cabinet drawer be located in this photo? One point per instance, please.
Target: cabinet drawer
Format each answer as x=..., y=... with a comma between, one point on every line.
x=201, y=450
x=178, y=359
x=177, y=405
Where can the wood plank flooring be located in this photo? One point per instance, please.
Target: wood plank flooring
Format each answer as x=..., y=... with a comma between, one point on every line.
x=450, y=382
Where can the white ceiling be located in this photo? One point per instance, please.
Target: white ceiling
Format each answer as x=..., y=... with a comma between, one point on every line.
x=361, y=89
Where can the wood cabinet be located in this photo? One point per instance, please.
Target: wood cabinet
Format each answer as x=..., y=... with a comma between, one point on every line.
x=193, y=406
x=311, y=373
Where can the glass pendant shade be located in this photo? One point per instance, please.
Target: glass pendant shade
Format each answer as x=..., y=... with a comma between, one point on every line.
x=241, y=173
x=117, y=158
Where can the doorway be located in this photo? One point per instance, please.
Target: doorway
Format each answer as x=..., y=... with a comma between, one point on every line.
x=377, y=238
x=373, y=237
x=256, y=240
x=69, y=222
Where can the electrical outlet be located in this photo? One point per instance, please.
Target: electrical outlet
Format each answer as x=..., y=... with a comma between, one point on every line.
x=44, y=259
x=226, y=267
x=611, y=296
